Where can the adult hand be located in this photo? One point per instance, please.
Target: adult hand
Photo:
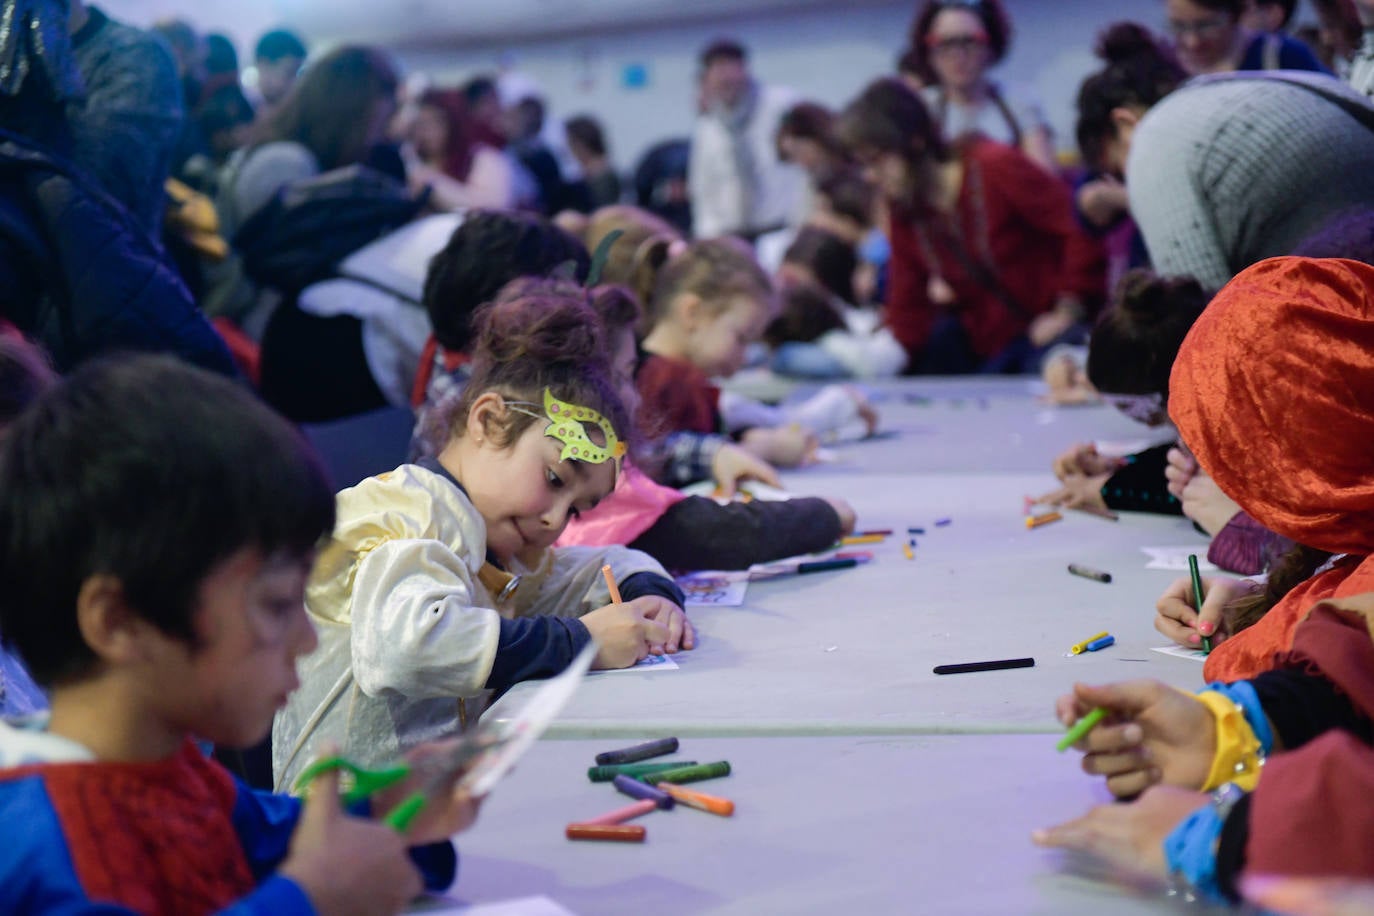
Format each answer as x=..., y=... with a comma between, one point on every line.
x=1177, y=619
x=1083, y=459
x=1204, y=503
x=1079, y=492
x=1180, y=470
x=1129, y=836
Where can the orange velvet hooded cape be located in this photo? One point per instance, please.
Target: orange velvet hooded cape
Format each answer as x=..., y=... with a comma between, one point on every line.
x=1273, y=391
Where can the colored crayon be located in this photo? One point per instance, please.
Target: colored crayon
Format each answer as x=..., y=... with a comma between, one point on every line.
x=658, y=748
x=998, y=665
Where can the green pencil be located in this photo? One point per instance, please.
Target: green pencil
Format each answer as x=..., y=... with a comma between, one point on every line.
x=1080, y=728
x=1197, y=596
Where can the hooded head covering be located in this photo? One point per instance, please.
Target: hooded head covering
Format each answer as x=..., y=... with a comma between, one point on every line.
x=33, y=38
x=1273, y=391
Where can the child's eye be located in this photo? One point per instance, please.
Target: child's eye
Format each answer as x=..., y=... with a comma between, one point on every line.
x=553, y=479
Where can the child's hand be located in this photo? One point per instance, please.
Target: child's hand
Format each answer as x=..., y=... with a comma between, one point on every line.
x=623, y=633
x=867, y=412
x=1180, y=470
x=784, y=446
x=1128, y=836
x=848, y=519
x=1204, y=503
x=681, y=634
x=733, y=464
x=1079, y=492
x=1153, y=733
x=1082, y=460
x=444, y=814
x=348, y=865
x=1177, y=619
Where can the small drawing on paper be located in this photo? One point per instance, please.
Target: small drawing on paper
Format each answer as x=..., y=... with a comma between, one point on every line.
x=656, y=662
x=714, y=589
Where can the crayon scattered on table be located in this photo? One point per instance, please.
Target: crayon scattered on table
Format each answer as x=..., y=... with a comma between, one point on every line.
x=1081, y=646
x=856, y=539
x=658, y=748
x=1080, y=728
x=699, y=800
x=875, y=533
x=906, y=549
x=693, y=774
x=1035, y=521
x=998, y=665
x=915, y=531
x=620, y=833
x=942, y=522
x=1197, y=595
x=621, y=815
x=607, y=773
x=1087, y=572
x=1102, y=643
x=813, y=566
x=628, y=785
x=858, y=556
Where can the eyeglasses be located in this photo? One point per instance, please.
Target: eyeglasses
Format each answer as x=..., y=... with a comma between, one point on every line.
x=1201, y=28
x=956, y=44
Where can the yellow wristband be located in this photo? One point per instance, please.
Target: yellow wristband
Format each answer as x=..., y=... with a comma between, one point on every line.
x=1238, y=756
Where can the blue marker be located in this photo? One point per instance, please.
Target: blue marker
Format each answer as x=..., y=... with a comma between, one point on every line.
x=1102, y=643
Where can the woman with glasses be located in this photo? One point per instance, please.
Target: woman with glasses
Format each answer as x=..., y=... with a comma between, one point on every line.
x=953, y=45
x=1211, y=38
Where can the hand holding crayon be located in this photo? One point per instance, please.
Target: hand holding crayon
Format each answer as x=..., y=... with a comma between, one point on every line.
x=1140, y=733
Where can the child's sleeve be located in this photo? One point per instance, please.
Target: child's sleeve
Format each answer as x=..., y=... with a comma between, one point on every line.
x=575, y=585
x=265, y=823
x=415, y=629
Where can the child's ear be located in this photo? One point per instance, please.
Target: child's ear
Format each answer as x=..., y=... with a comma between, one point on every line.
x=489, y=408
x=108, y=625
x=690, y=310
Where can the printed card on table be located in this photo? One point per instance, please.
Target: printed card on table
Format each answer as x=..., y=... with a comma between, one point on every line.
x=1176, y=558
x=1196, y=655
x=649, y=662
x=714, y=589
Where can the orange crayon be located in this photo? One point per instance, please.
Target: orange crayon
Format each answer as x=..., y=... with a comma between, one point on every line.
x=1035, y=521
x=699, y=800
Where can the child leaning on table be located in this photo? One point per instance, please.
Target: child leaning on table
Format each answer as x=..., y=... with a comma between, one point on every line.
x=441, y=585
x=156, y=527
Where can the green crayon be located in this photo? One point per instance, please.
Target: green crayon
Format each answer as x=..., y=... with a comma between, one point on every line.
x=694, y=773
x=610, y=772
x=1080, y=728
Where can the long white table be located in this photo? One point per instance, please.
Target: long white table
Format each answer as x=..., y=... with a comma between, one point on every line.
x=866, y=783
x=822, y=825
x=852, y=651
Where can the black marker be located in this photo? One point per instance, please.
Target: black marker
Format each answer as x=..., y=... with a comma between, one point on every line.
x=1001, y=665
x=1089, y=573
x=638, y=752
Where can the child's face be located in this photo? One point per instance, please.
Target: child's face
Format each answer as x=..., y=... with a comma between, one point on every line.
x=251, y=625
x=717, y=343
x=526, y=494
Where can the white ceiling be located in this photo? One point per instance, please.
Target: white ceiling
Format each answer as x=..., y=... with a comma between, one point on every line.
x=450, y=23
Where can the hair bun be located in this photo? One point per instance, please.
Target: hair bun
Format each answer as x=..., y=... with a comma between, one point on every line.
x=552, y=329
x=1151, y=299
x=1126, y=41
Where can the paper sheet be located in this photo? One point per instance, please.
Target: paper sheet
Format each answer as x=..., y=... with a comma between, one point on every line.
x=714, y=589
x=1196, y=655
x=1176, y=558
x=650, y=662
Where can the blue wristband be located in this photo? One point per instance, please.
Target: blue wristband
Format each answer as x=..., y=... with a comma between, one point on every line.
x=1190, y=853
x=1243, y=694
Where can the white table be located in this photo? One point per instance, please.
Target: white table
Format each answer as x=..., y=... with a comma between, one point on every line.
x=851, y=651
x=869, y=825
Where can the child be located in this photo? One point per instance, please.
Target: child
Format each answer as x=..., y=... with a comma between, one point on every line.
x=440, y=584
x=693, y=532
x=1296, y=738
x=492, y=249
x=156, y=527
x=1272, y=391
x=485, y=252
x=710, y=303
x=24, y=375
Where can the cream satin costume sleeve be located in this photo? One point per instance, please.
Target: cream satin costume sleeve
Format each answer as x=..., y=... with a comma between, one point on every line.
x=405, y=627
